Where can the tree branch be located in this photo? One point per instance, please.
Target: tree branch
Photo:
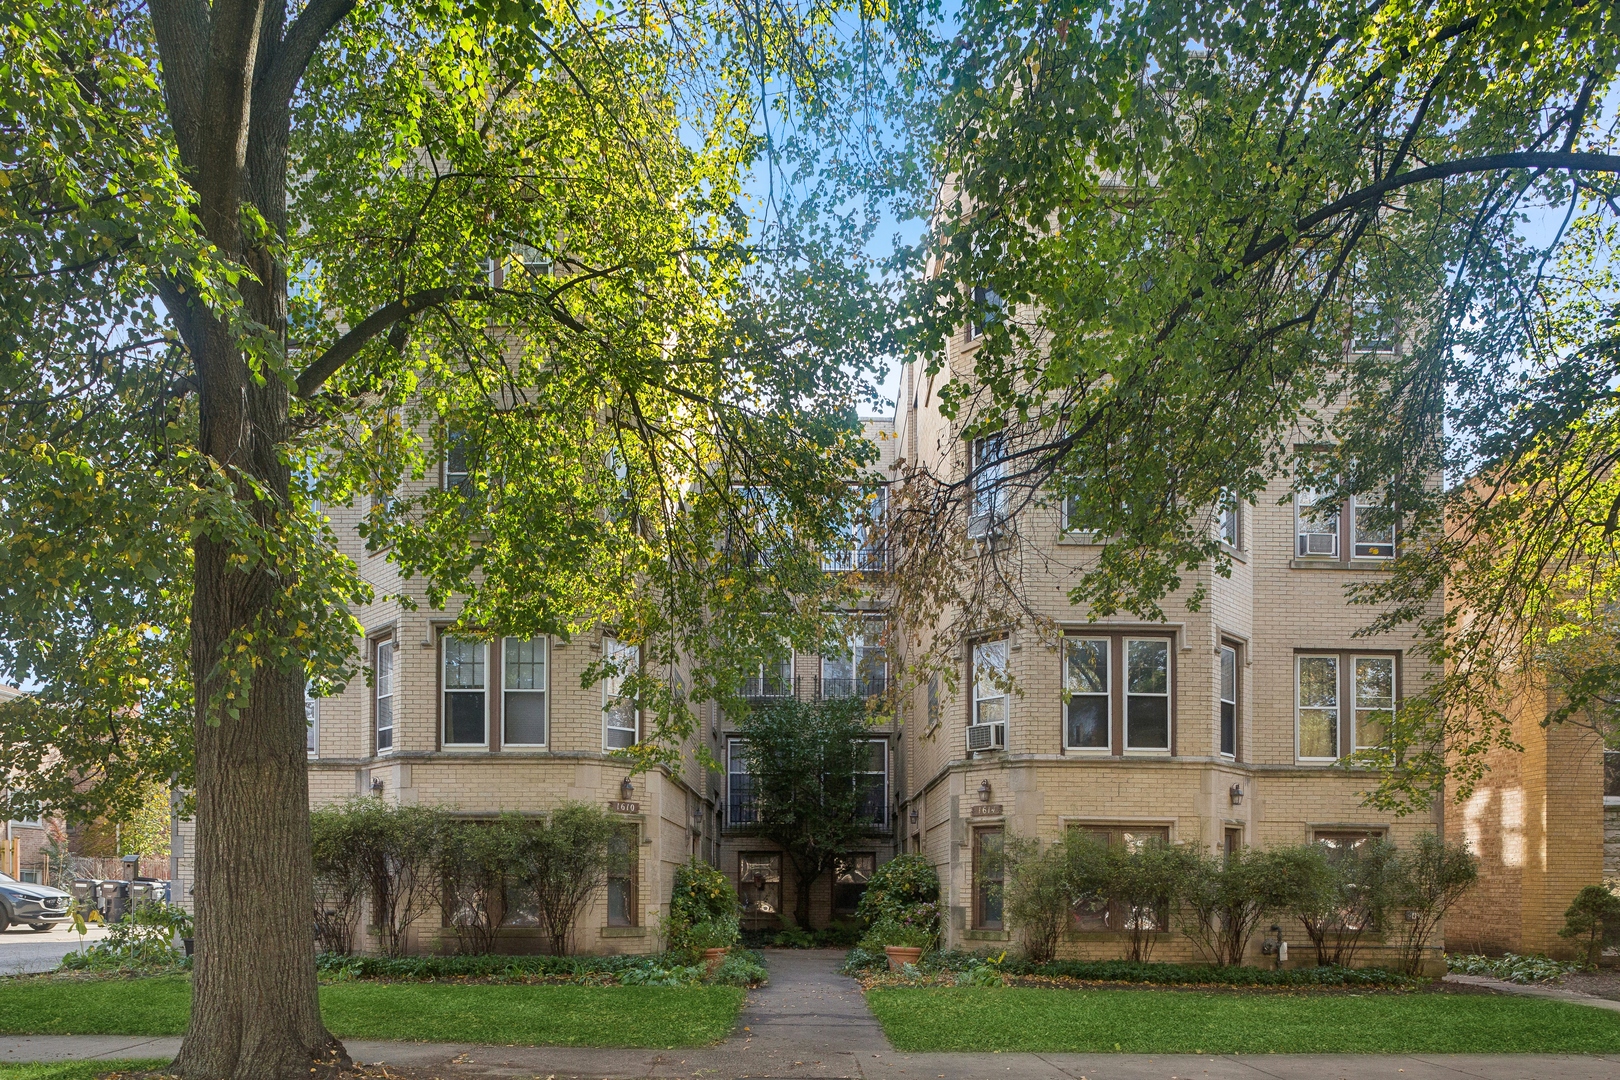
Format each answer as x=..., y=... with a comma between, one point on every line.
x=182, y=30
x=298, y=48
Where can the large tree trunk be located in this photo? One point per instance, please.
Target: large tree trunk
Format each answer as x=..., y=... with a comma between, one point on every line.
x=229, y=75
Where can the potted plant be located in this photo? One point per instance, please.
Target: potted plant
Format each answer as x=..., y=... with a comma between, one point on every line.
x=713, y=937
x=902, y=941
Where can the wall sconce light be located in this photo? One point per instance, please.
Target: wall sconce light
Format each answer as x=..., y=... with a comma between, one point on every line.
x=376, y=785
x=697, y=818
x=984, y=790
x=627, y=790
x=914, y=816
x=1237, y=794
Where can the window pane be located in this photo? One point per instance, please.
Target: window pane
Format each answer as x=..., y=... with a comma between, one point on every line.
x=759, y=883
x=1088, y=722
x=1228, y=674
x=463, y=664
x=1375, y=699
x=525, y=667
x=1372, y=541
x=464, y=717
x=619, y=712
x=384, y=680
x=1087, y=671
x=988, y=876
x=1228, y=701
x=1147, y=723
x=1319, y=733
x=1318, y=681
x=1147, y=667
x=989, y=682
x=739, y=787
x=524, y=717
x=312, y=715
x=1317, y=524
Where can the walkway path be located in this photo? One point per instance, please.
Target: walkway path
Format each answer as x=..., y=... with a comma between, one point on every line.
x=811, y=1023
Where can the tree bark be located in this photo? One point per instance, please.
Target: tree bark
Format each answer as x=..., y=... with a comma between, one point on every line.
x=255, y=1011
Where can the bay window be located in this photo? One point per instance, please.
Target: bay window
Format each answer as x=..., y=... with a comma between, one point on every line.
x=1086, y=680
x=524, y=680
x=466, y=701
x=1147, y=694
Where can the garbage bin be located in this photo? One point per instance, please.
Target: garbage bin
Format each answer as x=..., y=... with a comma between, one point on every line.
x=114, y=900
x=141, y=893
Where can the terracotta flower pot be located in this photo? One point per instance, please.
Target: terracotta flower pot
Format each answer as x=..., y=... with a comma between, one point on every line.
x=901, y=955
x=712, y=958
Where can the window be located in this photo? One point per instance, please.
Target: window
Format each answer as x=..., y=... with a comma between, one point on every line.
x=1147, y=694
x=1373, y=330
x=936, y=708
x=771, y=679
x=534, y=263
x=759, y=883
x=1371, y=540
x=28, y=877
x=1232, y=844
x=1229, y=522
x=863, y=548
x=1368, y=683
x=457, y=471
x=524, y=685
x=850, y=876
x=989, y=874
x=1099, y=913
x=520, y=906
x=873, y=783
x=619, y=714
x=1316, y=526
x=312, y=720
x=740, y=807
x=465, y=701
x=863, y=671
x=988, y=308
x=1229, y=699
x=383, y=680
x=621, y=882
x=989, y=500
x=1375, y=699
x=990, y=682
x=1319, y=707
x=1085, y=679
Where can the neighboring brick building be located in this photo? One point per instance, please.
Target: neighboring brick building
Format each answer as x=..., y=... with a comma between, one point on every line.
x=1537, y=823
x=1211, y=740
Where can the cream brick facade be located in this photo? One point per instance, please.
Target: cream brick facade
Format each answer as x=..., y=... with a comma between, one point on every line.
x=1272, y=608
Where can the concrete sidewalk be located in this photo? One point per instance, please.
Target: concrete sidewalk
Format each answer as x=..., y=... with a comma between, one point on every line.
x=731, y=1062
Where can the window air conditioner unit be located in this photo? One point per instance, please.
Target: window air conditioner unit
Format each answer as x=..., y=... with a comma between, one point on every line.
x=1319, y=544
x=987, y=737
x=982, y=526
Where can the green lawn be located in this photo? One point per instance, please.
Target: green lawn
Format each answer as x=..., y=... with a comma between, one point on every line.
x=76, y=1070
x=650, y=1016
x=1171, y=1021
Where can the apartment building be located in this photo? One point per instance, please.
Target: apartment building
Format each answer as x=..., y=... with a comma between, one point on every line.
x=1220, y=727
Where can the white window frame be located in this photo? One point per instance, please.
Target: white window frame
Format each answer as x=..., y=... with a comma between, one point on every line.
x=1304, y=502
x=543, y=692
x=1357, y=502
x=734, y=758
x=445, y=690
x=1001, y=694
x=767, y=672
x=1168, y=695
x=1337, y=708
x=1361, y=311
x=988, y=473
x=464, y=484
x=1226, y=695
x=312, y=723
x=1229, y=521
x=1107, y=695
x=382, y=676
x=1356, y=708
x=612, y=647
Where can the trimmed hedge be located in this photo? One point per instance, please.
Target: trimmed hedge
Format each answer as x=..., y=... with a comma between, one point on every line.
x=428, y=968
x=1124, y=971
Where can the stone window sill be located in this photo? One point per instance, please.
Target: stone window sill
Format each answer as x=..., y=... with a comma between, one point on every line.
x=624, y=931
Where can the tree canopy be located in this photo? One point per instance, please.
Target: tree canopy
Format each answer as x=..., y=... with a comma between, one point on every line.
x=1363, y=246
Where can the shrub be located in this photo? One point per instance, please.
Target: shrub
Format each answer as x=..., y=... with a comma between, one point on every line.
x=1348, y=892
x=388, y=854
x=1037, y=895
x=715, y=933
x=476, y=858
x=1144, y=883
x=896, y=885
x=1429, y=876
x=904, y=932
x=144, y=940
x=701, y=892
x=1511, y=968
x=1593, y=918
x=861, y=960
x=1225, y=897
x=566, y=859
x=739, y=968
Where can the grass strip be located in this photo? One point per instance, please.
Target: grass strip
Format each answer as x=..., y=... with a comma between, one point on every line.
x=544, y=1015
x=77, y=1070
x=1184, y=1022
